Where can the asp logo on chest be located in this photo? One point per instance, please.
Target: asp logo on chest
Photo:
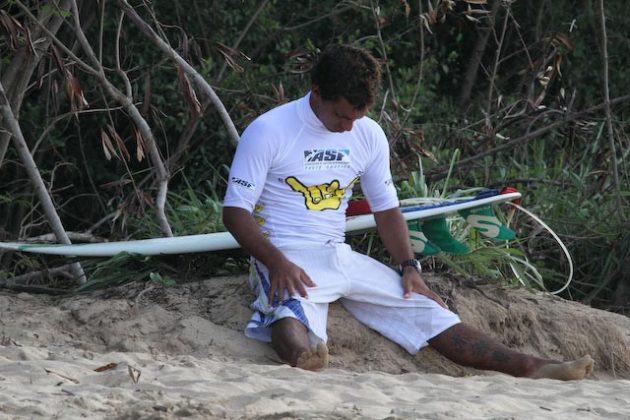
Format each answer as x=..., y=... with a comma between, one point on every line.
x=324, y=159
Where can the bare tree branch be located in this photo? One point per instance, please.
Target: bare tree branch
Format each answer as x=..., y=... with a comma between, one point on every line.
x=74, y=236
x=419, y=80
x=122, y=99
x=237, y=43
x=21, y=69
x=475, y=59
x=126, y=101
x=193, y=123
x=606, y=91
x=38, y=183
x=86, y=67
x=31, y=289
x=439, y=172
x=377, y=23
x=497, y=58
x=188, y=69
x=337, y=10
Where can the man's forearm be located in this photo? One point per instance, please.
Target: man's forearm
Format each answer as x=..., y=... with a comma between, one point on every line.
x=393, y=231
x=240, y=223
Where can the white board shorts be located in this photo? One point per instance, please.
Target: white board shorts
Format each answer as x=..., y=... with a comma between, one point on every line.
x=372, y=292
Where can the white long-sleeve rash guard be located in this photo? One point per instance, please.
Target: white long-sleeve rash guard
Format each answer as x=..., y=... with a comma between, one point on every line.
x=296, y=176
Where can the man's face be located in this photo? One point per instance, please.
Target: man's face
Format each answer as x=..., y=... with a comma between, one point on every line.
x=337, y=116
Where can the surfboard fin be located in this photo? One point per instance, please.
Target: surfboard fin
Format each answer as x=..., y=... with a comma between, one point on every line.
x=484, y=221
x=437, y=232
x=419, y=242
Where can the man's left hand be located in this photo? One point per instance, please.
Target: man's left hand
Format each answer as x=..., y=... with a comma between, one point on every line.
x=412, y=282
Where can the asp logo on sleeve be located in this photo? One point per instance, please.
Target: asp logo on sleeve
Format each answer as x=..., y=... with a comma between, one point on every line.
x=243, y=183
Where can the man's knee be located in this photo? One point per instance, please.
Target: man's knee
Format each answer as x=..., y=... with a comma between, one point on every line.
x=289, y=330
x=289, y=338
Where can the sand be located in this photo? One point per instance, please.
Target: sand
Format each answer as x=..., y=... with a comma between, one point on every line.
x=143, y=351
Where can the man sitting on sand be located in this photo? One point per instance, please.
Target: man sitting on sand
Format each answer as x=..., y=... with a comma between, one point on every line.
x=288, y=190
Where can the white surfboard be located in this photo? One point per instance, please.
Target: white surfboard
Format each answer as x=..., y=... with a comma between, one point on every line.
x=224, y=240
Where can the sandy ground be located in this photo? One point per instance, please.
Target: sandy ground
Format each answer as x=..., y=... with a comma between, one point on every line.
x=143, y=351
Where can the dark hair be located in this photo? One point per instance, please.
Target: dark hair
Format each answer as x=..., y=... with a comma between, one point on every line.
x=343, y=71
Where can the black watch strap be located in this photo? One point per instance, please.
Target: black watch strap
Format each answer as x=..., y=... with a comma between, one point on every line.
x=410, y=263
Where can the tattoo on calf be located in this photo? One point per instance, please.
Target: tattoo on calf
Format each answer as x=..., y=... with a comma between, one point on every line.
x=500, y=356
x=459, y=342
x=480, y=348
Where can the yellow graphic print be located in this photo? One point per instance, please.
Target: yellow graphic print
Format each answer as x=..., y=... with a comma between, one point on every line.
x=320, y=197
x=259, y=219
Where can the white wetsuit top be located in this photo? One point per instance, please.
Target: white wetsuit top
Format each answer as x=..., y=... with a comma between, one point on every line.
x=296, y=176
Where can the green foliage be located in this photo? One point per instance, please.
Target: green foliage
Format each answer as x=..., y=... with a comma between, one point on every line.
x=485, y=262
x=165, y=281
x=415, y=185
x=119, y=269
x=189, y=212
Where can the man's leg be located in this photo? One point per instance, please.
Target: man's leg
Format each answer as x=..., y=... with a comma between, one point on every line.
x=469, y=347
x=289, y=338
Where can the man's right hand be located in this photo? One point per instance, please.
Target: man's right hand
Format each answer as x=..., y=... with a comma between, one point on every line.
x=283, y=274
x=286, y=276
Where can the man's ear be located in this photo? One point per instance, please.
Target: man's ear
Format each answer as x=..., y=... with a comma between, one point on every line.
x=315, y=91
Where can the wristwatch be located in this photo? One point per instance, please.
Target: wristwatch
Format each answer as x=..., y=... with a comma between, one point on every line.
x=410, y=263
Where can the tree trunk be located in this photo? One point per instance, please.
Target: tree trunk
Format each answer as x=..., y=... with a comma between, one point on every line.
x=21, y=68
x=472, y=69
x=11, y=123
x=606, y=94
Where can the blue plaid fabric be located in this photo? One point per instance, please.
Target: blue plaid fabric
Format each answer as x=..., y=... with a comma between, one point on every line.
x=266, y=313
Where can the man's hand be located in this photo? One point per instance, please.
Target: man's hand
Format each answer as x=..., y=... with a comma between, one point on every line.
x=284, y=275
x=412, y=282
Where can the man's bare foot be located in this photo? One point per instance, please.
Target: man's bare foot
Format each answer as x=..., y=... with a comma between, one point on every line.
x=566, y=371
x=314, y=359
